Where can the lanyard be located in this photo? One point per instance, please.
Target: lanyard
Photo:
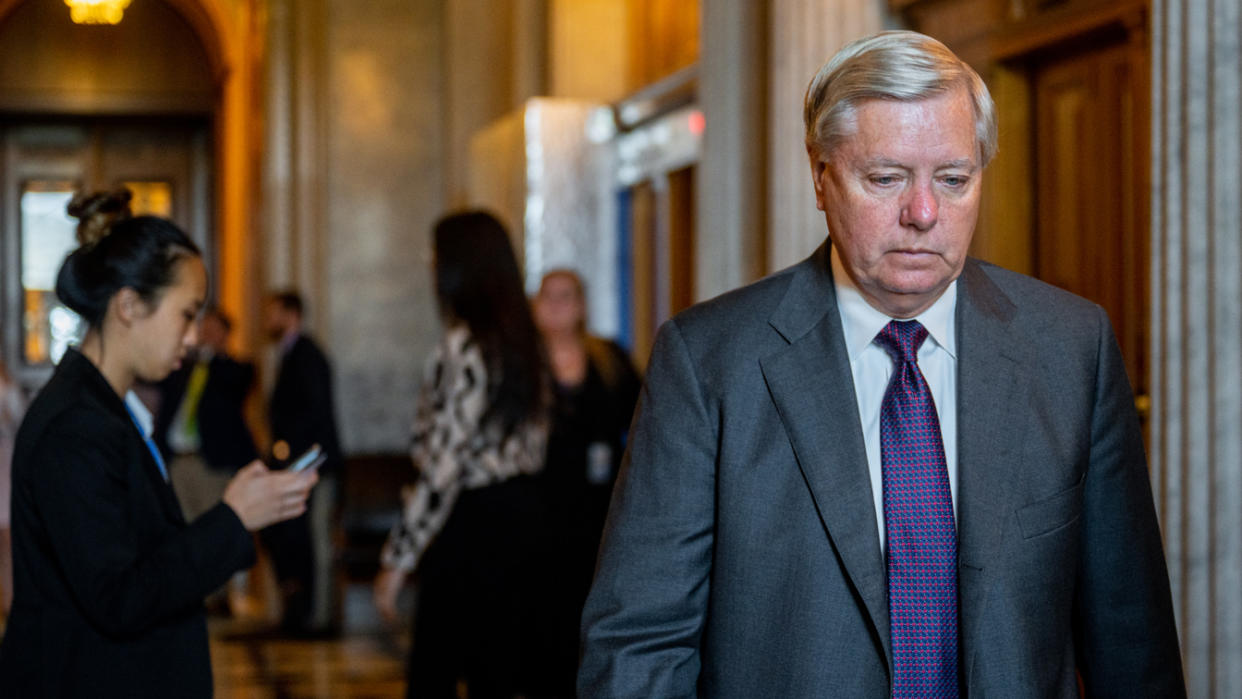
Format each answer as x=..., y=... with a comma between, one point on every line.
x=155, y=452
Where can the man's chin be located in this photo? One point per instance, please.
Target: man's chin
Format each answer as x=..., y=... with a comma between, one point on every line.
x=917, y=285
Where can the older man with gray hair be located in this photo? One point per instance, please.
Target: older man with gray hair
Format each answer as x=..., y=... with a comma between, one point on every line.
x=890, y=470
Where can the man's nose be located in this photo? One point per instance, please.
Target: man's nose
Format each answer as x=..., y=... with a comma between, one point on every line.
x=191, y=335
x=921, y=208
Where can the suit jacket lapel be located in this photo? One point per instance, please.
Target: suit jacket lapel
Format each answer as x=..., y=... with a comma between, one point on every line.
x=163, y=488
x=813, y=389
x=990, y=381
x=94, y=384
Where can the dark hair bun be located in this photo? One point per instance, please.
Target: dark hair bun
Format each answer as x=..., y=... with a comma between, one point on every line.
x=75, y=288
x=98, y=211
x=140, y=253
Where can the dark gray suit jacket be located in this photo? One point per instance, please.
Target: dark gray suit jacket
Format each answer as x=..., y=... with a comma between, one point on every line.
x=741, y=557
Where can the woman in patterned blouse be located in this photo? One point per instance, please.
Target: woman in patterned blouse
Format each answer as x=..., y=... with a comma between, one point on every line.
x=471, y=524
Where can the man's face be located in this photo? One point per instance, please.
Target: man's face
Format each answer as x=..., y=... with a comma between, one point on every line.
x=213, y=333
x=275, y=320
x=901, y=197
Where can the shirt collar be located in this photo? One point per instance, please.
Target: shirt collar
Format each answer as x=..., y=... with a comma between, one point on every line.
x=289, y=339
x=141, y=414
x=861, y=322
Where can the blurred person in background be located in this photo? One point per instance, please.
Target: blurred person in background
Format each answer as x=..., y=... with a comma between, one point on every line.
x=200, y=425
x=302, y=414
x=12, y=406
x=109, y=576
x=595, y=388
x=472, y=523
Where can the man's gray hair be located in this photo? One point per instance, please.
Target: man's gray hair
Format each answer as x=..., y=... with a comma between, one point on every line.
x=894, y=65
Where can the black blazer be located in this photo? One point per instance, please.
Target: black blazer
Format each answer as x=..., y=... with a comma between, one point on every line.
x=109, y=578
x=227, y=444
x=301, y=409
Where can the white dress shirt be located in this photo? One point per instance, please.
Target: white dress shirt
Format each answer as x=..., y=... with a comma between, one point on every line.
x=872, y=366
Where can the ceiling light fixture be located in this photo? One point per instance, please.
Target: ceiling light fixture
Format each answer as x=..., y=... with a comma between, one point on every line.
x=96, y=11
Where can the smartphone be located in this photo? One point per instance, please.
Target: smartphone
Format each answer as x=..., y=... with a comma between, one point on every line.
x=311, y=458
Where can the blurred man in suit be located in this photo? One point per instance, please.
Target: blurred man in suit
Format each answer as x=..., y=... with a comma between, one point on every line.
x=890, y=470
x=200, y=425
x=302, y=414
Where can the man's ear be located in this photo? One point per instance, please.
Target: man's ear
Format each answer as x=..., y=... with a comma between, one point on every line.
x=819, y=168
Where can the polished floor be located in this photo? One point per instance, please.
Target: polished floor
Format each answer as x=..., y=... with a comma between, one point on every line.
x=366, y=662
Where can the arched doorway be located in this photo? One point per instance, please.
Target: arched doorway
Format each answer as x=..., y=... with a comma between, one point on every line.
x=162, y=102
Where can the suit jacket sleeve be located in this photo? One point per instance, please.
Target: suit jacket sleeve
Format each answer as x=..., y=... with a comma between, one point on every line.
x=86, y=497
x=646, y=611
x=318, y=385
x=316, y=380
x=1123, y=617
x=301, y=410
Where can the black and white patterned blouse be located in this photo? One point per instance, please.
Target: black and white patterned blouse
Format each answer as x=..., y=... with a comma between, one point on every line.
x=451, y=450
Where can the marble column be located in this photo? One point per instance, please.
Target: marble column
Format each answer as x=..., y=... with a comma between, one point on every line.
x=292, y=215
x=353, y=179
x=1196, y=419
x=803, y=35
x=730, y=195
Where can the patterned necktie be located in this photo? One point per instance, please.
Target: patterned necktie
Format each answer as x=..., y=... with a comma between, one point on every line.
x=918, y=519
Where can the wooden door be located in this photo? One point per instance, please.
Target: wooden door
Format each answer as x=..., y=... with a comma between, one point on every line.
x=659, y=233
x=165, y=163
x=1091, y=206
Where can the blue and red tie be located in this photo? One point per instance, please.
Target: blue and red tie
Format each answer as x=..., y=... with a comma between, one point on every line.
x=918, y=519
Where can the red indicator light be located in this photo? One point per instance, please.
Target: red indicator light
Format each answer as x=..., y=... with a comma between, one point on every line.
x=696, y=122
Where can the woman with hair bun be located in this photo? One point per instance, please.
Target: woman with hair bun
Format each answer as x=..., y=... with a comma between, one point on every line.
x=109, y=577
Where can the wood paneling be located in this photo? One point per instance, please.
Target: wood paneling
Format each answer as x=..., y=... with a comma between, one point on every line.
x=664, y=38
x=660, y=227
x=1004, y=234
x=1092, y=236
x=681, y=241
x=644, y=295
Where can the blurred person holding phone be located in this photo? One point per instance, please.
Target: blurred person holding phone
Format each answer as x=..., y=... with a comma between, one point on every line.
x=110, y=578
x=200, y=425
x=302, y=413
x=201, y=430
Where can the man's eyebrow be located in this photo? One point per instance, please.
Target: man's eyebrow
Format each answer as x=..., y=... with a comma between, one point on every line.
x=960, y=163
x=882, y=162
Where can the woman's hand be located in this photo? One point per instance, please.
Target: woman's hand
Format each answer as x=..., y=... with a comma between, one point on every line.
x=387, y=588
x=261, y=497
